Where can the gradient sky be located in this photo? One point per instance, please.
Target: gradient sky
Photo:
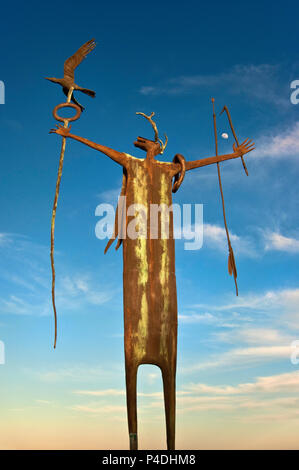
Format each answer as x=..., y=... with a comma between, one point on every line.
x=236, y=385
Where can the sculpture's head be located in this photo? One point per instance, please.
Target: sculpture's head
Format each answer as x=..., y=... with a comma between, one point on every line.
x=148, y=145
x=154, y=147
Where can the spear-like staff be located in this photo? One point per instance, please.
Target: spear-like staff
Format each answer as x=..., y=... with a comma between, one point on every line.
x=68, y=84
x=60, y=167
x=231, y=259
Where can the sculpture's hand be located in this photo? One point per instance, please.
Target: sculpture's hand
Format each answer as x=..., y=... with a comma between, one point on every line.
x=243, y=148
x=64, y=131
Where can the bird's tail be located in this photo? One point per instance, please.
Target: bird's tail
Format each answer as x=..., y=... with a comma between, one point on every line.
x=88, y=92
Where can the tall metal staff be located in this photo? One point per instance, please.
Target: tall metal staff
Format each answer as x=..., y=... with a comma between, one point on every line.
x=61, y=159
x=68, y=85
x=231, y=258
x=225, y=108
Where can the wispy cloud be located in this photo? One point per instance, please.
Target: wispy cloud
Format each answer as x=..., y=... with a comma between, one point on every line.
x=256, y=336
x=275, y=314
x=269, y=300
x=266, y=398
x=215, y=237
x=278, y=242
x=261, y=329
x=287, y=382
x=77, y=373
x=279, y=145
x=27, y=289
x=270, y=397
x=243, y=357
x=198, y=318
x=251, y=80
x=110, y=195
x=4, y=238
x=99, y=409
x=111, y=392
x=19, y=306
x=261, y=240
x=73, y=292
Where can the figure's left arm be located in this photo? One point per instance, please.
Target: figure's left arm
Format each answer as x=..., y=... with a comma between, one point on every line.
x=242, y=149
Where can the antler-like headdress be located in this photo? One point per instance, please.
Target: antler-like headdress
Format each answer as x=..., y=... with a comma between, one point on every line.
x=149, y=118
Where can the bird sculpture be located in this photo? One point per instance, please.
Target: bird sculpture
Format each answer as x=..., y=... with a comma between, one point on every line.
x=68, y=80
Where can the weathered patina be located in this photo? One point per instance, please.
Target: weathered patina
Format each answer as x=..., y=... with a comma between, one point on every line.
x=149, y=282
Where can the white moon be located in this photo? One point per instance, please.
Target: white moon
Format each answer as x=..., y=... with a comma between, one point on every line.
x=224, y=135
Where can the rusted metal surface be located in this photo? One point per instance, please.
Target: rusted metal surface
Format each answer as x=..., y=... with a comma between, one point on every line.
x=68, y=85
x=68, y=80
x=225, y=108
x=60, y=167
x=178, y=177
x=67, y=105
x=149, y=281
x=231, y=257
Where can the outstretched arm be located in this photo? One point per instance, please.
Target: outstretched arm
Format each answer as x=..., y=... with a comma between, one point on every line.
x=118, y=157
x=245, y=147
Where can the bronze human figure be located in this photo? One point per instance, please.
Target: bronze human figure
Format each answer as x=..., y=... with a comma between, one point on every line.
x=149, y=281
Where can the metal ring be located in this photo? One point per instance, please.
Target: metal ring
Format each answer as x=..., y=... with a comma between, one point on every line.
x=178, y=178
x=66, y=105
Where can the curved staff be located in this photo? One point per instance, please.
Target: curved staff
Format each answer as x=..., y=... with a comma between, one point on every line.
x=231, y=258
x=225, y=108
x=61, y=159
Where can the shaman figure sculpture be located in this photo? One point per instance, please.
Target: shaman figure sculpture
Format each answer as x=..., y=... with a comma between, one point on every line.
x=149, y=282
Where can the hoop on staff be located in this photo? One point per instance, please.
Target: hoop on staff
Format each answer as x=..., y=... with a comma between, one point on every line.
x=66, y=105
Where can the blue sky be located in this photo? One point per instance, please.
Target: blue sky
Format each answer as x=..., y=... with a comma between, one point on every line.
x=234, y=369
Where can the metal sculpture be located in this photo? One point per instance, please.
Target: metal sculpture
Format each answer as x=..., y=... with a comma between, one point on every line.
x=149, y=282
x=68, y=85
x=60, y=167
x=231, y=257
x=68, y=80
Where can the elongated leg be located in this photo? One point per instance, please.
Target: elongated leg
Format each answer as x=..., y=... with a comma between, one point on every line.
x=168, y=375
x=131, y=384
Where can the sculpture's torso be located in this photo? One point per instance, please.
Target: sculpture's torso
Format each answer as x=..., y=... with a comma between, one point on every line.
x=150, y=303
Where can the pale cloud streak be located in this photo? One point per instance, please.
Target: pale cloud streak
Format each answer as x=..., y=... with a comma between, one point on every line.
x=287, y=382
x=277, y=242
x=99, y=409
x=273, y=397
x=214, y=237
x=27, y=276
x=269, y=300
x=279, y=145
x=110, y=195
x=261, y=329
x=77, y=373
x=256, y=336
x=250, y=80
x=243, y=357
x=260, y=242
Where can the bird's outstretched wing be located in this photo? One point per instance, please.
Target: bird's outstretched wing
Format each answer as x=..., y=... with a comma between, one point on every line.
x=72, y=62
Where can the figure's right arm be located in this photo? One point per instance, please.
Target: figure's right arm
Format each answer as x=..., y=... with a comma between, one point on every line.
x=118, y=157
